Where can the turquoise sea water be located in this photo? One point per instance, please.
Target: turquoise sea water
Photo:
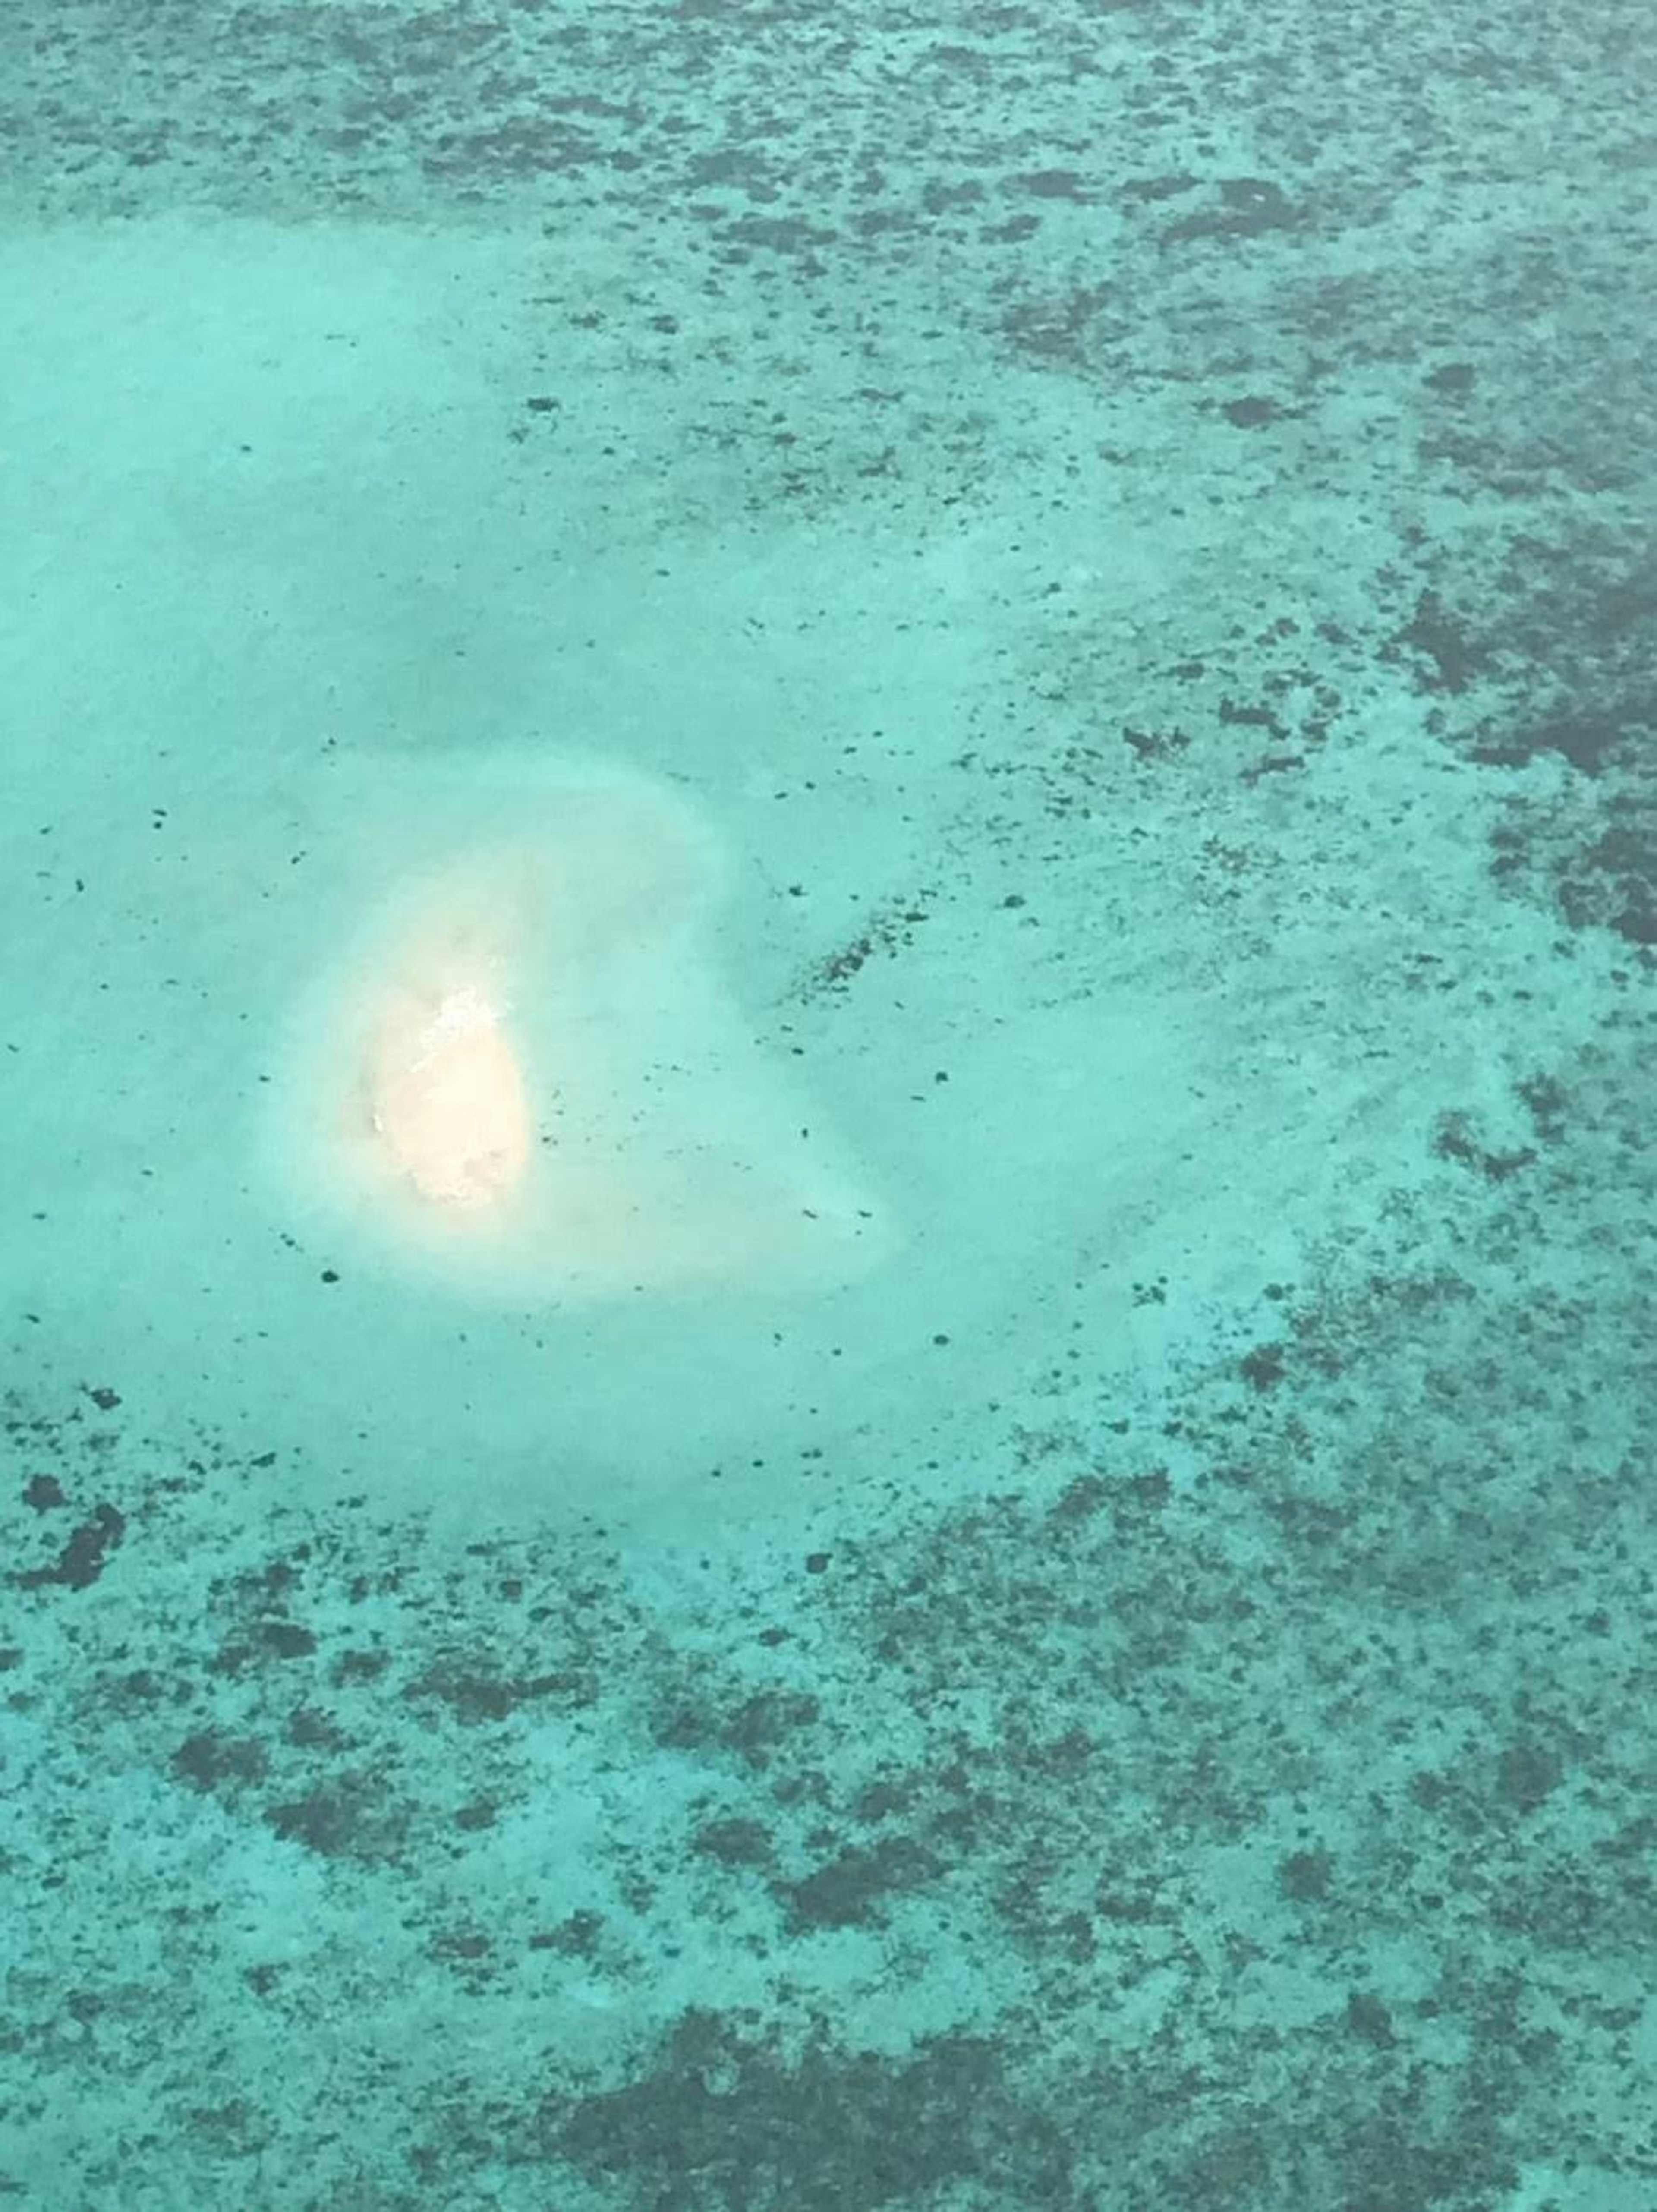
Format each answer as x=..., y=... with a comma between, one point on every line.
x=1001, y=663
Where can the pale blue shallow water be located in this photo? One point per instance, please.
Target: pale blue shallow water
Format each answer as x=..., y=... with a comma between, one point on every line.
x=1011, y=651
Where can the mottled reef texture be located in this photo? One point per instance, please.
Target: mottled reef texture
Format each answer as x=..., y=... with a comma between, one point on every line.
x=1452, y=207
x=1251, y=1803
x=1281, y=1837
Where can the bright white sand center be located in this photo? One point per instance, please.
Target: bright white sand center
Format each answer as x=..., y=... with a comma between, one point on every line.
x=449, y=1101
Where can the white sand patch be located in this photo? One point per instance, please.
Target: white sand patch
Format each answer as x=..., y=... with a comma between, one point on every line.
x=525, y=1078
